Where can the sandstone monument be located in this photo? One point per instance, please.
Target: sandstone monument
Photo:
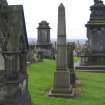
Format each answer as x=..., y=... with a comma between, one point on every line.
x=62, y=86
x=93, y=55
x=13, y=49
x=44, y=45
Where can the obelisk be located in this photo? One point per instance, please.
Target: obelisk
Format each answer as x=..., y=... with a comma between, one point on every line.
x=61, y=41
x=62, y=87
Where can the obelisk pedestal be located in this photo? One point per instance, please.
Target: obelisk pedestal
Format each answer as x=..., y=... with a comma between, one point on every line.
x=62, y=86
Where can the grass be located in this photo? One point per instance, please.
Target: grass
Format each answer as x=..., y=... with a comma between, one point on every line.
x=76, y=59
x=41, y=80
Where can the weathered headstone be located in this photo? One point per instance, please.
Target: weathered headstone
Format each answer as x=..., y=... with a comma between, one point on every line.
x=40, y=55
x=31, y=58
x=93, y=58
x=70, y=48
x=62, y=86
x=14, y=46
x=44, y=45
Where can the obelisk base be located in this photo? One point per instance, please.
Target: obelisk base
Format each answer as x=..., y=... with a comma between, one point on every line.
x=62, y=87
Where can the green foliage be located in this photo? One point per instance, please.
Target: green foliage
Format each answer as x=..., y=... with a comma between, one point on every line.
x=41, y=81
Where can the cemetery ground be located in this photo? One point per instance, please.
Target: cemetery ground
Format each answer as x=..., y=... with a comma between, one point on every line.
x=41, y=80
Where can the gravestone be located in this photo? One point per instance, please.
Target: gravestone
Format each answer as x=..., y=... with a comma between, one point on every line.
x=31, y=58
x=14, y=47
x=93, y=57
x=70, y=48
x=62, y=86
x=44, y=46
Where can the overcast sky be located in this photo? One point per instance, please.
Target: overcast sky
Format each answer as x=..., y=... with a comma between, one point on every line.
x=77, y=15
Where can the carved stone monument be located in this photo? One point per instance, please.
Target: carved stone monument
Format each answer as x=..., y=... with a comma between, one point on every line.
x=62, y=86
x=13, y=49
x=93, y=58
x=44, y=45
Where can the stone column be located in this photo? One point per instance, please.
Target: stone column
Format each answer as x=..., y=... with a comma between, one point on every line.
x=70, y=48
x=62, y=87
x=61, y=41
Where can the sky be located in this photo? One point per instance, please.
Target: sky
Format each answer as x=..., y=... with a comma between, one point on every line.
x=77, y=15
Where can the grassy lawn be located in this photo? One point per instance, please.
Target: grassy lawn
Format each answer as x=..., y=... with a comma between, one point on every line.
x=41, y=80
x=76, y=59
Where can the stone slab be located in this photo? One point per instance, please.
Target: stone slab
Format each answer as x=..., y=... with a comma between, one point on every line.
x=74, y=93
x=98, y=69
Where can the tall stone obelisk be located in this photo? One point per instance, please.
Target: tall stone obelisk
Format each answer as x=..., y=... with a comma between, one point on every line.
x=62, y=87
x=61, y=41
